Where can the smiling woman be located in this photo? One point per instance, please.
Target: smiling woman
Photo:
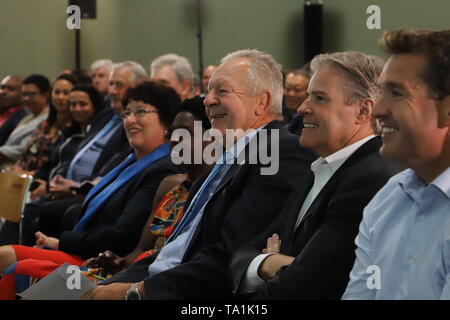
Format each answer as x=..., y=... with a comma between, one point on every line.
x=147, y=115
x=116, y=209
x=58, y=126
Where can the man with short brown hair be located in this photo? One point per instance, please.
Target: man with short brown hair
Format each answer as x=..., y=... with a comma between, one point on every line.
x=403, y=246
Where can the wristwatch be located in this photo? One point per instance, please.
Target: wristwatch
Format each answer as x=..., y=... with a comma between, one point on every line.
x=133, y=293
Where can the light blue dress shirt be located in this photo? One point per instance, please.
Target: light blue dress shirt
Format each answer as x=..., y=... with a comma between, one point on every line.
x=403, y=245
x=84, y=161
x=173, y=251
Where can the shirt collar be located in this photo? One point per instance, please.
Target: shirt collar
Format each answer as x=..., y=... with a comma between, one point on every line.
x=335, y=160
x=413, y=185
x=442, y=182
x=239, y=145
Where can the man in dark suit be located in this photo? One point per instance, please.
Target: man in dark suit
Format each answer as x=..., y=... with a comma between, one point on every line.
x=308, y=251
x=236, y=201
x=11, y=109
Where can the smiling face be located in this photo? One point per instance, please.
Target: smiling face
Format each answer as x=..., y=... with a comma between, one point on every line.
x=185, y=120
x=408, y=115
x=228, y=102
x=144, y=129
x=81, y=108
x=60, y=94
x=33, y=99
x=330, y=124
x=100, y=79
x=295, y=90
x=166, y=76
x=119, y=81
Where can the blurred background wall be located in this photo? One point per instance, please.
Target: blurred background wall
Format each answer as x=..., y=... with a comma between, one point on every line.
x=34, y=37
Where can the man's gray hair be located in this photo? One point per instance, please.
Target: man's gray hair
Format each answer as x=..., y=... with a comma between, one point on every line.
x=102, y=63
x=264, y=73
x=362, y=69
x=138, y=70
x=180, y=66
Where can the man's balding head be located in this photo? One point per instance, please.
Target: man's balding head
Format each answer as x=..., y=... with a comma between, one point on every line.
x=10, y=91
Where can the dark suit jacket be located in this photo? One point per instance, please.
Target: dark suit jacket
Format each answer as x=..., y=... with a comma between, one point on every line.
x=243, y=205
x=323, y=243
x=295, y=125
x=118, y=224
x=10, y=124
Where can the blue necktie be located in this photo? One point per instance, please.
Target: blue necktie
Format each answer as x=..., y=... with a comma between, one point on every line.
x=203, y=195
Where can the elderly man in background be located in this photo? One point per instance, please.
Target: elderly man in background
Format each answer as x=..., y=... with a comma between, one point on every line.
x=176, y=72
x=99, y=72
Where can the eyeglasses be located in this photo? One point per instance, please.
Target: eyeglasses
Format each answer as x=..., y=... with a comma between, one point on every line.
x=29, y=93
x=139, y=113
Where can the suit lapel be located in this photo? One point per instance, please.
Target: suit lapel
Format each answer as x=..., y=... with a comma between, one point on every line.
x=298, y=197
x=371, y=146
x=231, y=180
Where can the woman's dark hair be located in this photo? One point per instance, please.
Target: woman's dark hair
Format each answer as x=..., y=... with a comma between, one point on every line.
x=82, y=77
x=94, y=95
x=51, y=119
x=39, y=81
x=197, y=108
x=162, y=97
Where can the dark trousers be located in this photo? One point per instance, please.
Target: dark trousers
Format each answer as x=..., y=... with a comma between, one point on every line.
x=57, y=215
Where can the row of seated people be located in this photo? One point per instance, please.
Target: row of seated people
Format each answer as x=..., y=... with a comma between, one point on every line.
x=80, y=143
x=130, y=193
x=298, y=232
x=53, y=125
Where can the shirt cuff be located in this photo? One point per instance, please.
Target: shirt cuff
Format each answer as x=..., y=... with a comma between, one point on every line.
x=252, y=281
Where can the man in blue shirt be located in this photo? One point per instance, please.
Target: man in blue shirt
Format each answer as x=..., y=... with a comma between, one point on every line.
x=403, y=246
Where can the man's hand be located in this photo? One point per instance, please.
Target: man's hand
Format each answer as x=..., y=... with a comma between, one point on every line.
x=113, y=291
x=273, y=244
x=44, y=241
x=108, y=261
x=60, y=187
x=40, y=190
x=272, y=264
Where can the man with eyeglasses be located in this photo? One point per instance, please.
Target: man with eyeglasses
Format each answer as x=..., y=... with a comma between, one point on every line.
x=35, y=96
